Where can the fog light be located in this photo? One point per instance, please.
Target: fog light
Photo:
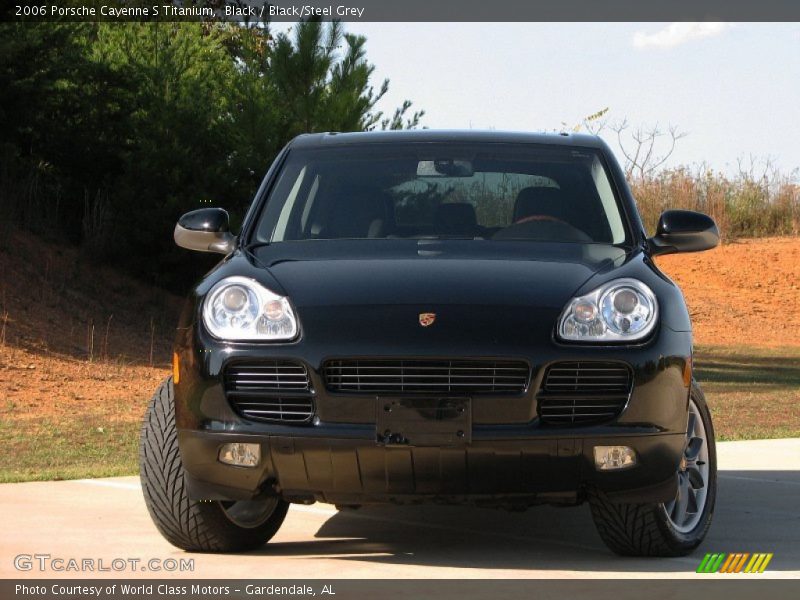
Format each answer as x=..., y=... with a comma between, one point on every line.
x=240, y=455
x=609, y=458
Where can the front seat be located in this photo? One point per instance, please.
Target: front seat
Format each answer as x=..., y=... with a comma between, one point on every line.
x=539, y=203
x=456, y=219
x=357, y=213
x=540, y=213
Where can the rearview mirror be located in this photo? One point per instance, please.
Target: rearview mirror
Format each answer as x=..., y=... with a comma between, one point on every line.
x=683, y=231
x=445, y=168
x=205, y=230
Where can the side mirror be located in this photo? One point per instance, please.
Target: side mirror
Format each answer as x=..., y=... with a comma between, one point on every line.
x=683, y=231
x=205, y=230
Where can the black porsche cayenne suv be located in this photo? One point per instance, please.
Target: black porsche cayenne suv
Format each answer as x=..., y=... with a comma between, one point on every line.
x=455, y=317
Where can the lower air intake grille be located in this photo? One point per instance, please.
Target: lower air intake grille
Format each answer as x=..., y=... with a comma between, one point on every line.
x=273, y=390
x=430, y=376
x=580, y=393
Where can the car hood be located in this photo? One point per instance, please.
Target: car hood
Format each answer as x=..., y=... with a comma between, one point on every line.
x=429, y=273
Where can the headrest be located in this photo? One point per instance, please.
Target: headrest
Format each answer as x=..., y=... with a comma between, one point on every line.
x=546, y=201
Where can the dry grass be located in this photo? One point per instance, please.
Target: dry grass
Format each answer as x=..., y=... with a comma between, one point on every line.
x=746, y=205
x=753, y=392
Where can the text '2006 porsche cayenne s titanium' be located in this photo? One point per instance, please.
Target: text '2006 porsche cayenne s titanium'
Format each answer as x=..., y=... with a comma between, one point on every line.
x=448, y=317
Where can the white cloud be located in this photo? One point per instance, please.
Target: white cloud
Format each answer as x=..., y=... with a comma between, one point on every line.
x=675, y=34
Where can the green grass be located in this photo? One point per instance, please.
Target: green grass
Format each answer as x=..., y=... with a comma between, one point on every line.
x=753, y=393
x=73, y=448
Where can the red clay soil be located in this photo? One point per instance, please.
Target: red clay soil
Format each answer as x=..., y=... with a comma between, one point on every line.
x=75, y=338
x=745, y=293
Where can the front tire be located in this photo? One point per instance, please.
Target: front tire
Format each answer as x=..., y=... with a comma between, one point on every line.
x=673, y=528
x=204, y=526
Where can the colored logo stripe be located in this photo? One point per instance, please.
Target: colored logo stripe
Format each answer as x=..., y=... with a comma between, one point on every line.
x=758, y=563
x=734, y=563
x=711, y=563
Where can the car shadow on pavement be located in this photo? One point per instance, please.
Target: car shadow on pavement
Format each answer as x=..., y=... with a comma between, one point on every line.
x=756, y=511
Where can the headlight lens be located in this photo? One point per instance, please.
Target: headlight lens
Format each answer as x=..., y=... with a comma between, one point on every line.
x=241, y=309
x=621, y=310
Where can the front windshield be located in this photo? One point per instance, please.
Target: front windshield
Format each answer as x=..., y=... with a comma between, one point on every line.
x=438, y=191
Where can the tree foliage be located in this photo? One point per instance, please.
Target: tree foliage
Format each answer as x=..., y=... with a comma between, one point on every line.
x=108, y=132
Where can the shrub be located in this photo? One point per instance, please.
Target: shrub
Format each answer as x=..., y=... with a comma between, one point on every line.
x=744, y=205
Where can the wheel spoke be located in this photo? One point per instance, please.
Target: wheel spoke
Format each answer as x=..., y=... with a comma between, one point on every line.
x=669, y=506
x=695, y=478
x=691, y=507
x=686, y=510
x=693, y=448
x=679, y=512
x=249, y=513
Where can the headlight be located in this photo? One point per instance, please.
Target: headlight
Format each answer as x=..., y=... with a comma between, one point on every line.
x=623, y=310
x=240, y=309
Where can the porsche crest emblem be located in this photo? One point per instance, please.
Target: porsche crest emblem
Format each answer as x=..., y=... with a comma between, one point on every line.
x=427, y=319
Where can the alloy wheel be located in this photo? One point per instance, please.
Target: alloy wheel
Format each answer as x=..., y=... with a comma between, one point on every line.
x=685, y=511
x=249, y=513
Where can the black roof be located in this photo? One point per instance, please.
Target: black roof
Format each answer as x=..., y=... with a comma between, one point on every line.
x=308, y=140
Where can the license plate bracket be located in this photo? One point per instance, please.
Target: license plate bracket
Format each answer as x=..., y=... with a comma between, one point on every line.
x=423, y=421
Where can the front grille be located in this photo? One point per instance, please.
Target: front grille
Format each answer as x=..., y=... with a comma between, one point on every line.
x=272, y=390
x=432, y=376
x=580, y=393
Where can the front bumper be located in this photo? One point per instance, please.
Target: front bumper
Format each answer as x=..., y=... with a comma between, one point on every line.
x=492, y=471
x=511, y=458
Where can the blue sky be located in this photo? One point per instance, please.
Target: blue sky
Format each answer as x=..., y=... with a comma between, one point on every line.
x=734, y=88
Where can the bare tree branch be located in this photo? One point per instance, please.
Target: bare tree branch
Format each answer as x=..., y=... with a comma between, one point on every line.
x=639, y=148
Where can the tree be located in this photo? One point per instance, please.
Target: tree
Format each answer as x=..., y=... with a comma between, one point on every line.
x=322, y=82
x=638, y=146
x=131, y=124
x=55, y=120
x=593, y=123
x=639, y=149
x=310, y=79
x=178, y=121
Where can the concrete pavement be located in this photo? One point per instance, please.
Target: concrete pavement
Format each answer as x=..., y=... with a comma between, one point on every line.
x=758, y=510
